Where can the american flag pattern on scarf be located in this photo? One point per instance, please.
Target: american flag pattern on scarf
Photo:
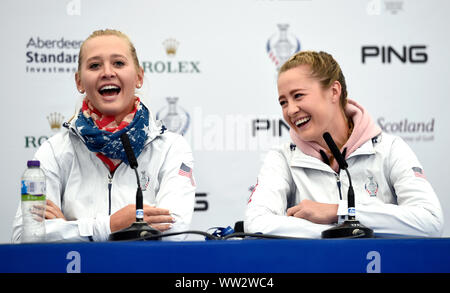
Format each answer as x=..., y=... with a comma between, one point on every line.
x=108, y=123
x=101, y=132
x=187, y=172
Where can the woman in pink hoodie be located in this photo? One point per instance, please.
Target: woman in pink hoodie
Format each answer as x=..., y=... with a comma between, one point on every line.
x=301, y=191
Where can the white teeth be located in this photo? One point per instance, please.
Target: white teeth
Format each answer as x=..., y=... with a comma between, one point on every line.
x=301, y=121
x=109, y=87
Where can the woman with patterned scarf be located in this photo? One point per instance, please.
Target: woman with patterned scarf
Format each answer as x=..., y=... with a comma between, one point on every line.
x=91, y=190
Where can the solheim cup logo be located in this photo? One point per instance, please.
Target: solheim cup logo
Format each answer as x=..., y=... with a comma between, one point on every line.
x=175, y=118
x=281, y=46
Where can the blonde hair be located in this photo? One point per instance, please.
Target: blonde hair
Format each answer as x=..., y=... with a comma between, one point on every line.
x=323, y=67
x=109, y=32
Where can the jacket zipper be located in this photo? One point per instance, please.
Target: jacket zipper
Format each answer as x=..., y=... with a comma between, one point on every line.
x=109, y=193
x=338, y=181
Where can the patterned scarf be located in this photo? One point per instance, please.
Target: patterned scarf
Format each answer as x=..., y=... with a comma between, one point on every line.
x=101, y=133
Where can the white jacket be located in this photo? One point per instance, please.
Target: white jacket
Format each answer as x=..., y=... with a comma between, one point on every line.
x=390, y=197
x=81, y=185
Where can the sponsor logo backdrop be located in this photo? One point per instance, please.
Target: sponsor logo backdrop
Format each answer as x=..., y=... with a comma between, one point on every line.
x=210, y=70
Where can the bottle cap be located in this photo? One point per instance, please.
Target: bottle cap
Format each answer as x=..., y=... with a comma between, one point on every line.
x=34, y=163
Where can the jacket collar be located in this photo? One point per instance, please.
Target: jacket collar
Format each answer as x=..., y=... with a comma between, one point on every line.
x=302, y=160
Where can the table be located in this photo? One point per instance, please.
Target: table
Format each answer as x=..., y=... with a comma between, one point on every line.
x=411, y=255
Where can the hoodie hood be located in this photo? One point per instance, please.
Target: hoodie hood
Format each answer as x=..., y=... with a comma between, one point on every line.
x=363, y=130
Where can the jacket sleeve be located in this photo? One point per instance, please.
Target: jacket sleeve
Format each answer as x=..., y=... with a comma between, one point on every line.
x=267, y=206
x=417, y=213
x=177, y=186
x=59, y=230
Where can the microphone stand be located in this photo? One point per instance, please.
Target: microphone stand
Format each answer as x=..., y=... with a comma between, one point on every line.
x=139, y=230
x=350, y=228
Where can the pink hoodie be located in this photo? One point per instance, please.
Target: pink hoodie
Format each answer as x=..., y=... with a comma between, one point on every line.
x=363, y=130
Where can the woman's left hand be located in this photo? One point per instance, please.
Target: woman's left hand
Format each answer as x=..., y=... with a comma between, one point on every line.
x=52, y=211
x=316, y=212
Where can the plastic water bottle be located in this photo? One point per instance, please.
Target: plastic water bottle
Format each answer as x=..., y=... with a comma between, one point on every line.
x=33, y=203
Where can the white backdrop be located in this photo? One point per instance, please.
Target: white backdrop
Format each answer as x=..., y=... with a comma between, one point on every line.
x=394, y=54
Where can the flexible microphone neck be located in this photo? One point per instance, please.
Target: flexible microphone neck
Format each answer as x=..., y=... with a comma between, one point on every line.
x=139, y=230
x=134, y=164
x=344, y=166
x=335, y=151
x=351, y=228
x=128, y=150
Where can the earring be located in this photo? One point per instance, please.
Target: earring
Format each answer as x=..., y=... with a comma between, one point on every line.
x=138, y=86
x=81, y=91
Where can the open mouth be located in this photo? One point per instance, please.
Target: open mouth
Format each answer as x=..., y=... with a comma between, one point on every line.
x=109, y=90
x=302, y=122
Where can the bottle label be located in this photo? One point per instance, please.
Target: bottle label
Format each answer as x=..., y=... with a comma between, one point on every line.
x=32, y=190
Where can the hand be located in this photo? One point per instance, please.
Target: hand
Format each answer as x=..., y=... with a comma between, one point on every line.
x=157, y=218
x=52, y=211
x=316, y=212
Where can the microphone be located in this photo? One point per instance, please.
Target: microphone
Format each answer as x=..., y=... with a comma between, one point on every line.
x=129, y=151
x=351, y=228
x=335, y=151
x=139, y=230
x=344, y=166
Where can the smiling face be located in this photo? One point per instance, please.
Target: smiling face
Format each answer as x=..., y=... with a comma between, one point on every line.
x=108, y=75
x=307, y=107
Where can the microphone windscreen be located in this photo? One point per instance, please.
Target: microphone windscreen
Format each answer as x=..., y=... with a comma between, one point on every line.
x=128, y=150
x=335, y=151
